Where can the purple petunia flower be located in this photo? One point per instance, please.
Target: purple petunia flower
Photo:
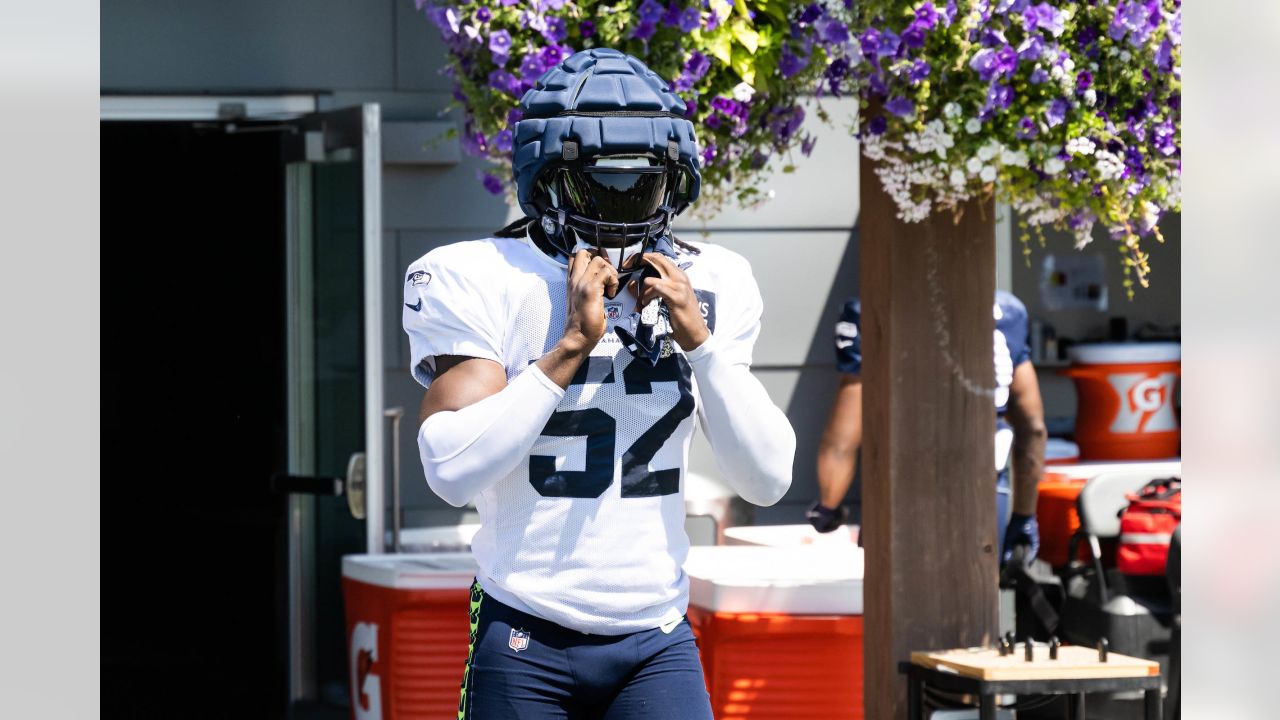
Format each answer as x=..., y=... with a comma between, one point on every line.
x=900, y=106
x=1165, y=138
x=810, y=14
x=870, y=42
x=919, y=71
x=532, y=65
x=806, y=145
x=1164, y=56
x=552, y=55
x=690, y=19
x=708, y=154
x=644, y=30
x=671, y=16
x=1083, y=80
x=926, y=16
x=999, y=97
x=504, y=81
x=889, y=43
x=1031, y=48
x=1026, y=128
x=500, y=46
x=991, y=64
x=514, y=115
x=831, y=31
x=503, y=141
x=650, y=11
x=1043, y=17
x=1057, y=112
x=713, y=121
x=1038, y=76
x=556, y=30
x=913, y=36
x=586, y=28
x=949, y=12
x=492, y=184
x=879, y=124
x=483, y=14
x=791, y=65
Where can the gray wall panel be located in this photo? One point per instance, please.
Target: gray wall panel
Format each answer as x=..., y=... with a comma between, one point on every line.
x=246, y=45
x=419, y=51
x=823, y=190
x=803, y=276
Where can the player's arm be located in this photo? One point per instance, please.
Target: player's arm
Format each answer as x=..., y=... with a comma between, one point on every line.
x=475, y=426
x=838, y=449
x=1026, y=416
x=751, y=437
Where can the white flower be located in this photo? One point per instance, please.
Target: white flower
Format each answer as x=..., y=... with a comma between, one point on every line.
x=1090, y=97
x=1017, y=158
x=771, y=194
x=1057, y=73
x=972, y=126
x=1125, y=56
x=951, y=110
x=974, y=166
x=957, y=178
x=1114, y=51
x=1080, y=146
x=742, y=92
x=1108, y=165
x=1053, y=166
x=1068, y=65
x=988, y=151
x=988, y=173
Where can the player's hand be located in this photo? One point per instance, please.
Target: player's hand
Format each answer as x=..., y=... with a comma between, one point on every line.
x=1022, y=530
x=688, y=327
x=825, y=519
x=590, y=278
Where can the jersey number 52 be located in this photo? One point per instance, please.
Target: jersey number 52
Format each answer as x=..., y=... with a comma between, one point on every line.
x=600, y=430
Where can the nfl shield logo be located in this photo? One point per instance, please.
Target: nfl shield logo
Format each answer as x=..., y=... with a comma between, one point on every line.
x=613, y=311
x=519, y=640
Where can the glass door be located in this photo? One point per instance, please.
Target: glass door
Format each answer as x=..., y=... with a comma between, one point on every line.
x=336, y=422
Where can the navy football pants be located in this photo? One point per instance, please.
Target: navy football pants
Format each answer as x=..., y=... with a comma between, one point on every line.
x=562, y=673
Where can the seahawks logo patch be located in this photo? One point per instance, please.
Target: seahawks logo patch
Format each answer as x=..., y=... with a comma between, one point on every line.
x=418, y=277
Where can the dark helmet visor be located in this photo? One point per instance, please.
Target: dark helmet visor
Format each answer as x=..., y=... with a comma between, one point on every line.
x=615, y=194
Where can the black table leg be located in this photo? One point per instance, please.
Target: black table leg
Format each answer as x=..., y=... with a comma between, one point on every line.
x=1151, y=699
x=914, y=699
x=1075, y=706
x=987, y=707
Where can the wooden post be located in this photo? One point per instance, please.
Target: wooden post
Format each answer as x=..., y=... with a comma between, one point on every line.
x=928, y=456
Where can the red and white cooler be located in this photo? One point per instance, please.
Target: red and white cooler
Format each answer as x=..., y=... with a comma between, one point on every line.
x=407, y=633
x=779, y=629
x=1126, y=400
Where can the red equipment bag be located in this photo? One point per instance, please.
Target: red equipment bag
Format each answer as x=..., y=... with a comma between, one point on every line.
x=1147, y=525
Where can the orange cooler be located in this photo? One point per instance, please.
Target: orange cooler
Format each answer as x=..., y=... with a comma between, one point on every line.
x=1057, y=517
x=779, y=630
x=407, y=633
x=1126, y=400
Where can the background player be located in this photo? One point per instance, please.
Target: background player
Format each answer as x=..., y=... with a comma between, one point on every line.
x=1020, y=428
x=563, y=364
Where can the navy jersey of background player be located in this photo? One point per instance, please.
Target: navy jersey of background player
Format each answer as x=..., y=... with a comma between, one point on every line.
x=1010, y=341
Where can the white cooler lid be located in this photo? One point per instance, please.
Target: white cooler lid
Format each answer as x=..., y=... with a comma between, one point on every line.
x=800, y=580
x=790, y=535
x=422, y=571
x=1122, y=353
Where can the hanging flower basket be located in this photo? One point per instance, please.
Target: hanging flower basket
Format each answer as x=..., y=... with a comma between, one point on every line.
x=741, y=66
x=1068, y=111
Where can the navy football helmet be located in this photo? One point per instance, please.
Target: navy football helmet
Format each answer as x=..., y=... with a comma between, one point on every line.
x=604, y=156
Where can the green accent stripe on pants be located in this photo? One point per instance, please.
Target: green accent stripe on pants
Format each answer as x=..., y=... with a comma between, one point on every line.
x=477, y=597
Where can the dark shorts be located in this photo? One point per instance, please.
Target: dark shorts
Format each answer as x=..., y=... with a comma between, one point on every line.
x=521, y=666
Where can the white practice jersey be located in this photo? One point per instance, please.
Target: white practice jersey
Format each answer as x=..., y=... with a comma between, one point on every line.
x=588, y=532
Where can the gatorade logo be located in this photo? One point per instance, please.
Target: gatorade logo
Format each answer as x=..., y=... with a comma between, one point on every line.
x=366, y=687
x=1146, y=402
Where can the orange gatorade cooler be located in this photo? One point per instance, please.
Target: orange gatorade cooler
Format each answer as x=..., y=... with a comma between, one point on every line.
x=779, y=629
x=1126, y=397
x=1057, y=516
x=407, y=633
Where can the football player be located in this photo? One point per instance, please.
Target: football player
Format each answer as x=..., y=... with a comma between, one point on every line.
x=564, y=361
x=1020, y=428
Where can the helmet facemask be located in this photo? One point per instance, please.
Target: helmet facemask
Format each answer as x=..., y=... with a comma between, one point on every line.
x=619, y=204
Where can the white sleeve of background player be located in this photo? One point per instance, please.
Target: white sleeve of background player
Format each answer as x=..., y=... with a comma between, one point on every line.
x=751, y=438
x=446, y=312
x=464, y=452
